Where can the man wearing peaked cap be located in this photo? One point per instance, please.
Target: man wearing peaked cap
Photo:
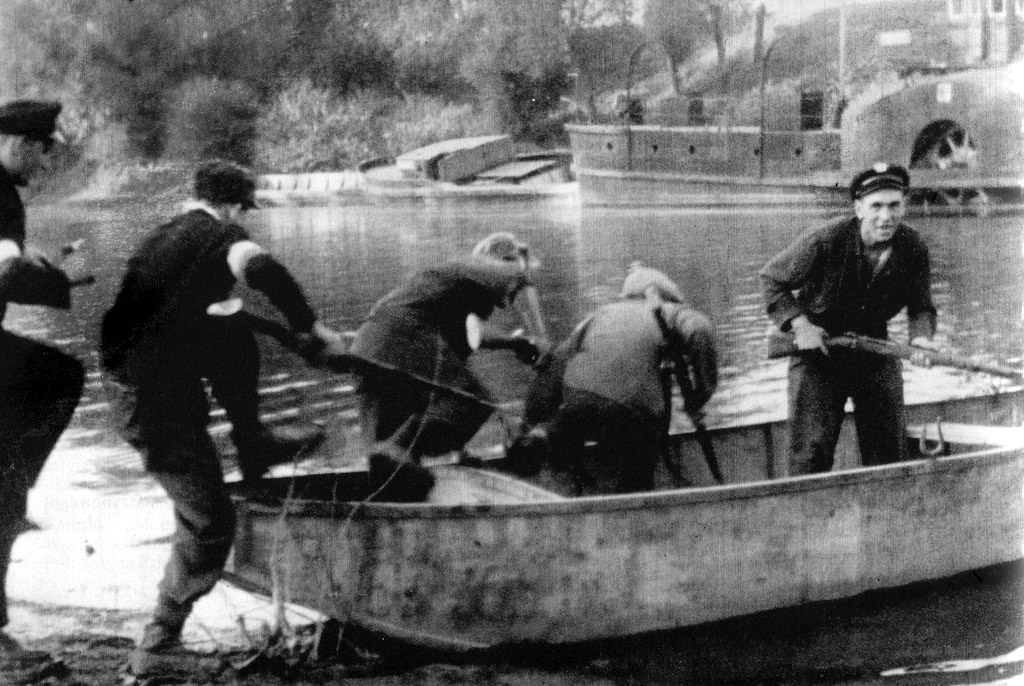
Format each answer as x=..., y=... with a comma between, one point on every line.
x=39, y=385
x=851, y=276
x=878, y=177
x=172, y=327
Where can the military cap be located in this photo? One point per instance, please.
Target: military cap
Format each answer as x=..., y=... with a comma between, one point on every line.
x=35, y=119
x=226, y=183
x=640, y=278
x=879, y=176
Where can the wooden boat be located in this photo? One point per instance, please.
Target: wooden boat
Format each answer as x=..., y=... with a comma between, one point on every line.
x=492, y=560
x=479, y=167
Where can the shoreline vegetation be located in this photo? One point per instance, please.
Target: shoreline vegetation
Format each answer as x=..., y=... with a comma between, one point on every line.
x=317, y=86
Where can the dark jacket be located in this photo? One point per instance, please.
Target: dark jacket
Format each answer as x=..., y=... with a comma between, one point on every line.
x=825, y=275
x=177, y=272
x=420, y=327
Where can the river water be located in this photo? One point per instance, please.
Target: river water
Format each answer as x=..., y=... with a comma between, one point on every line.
x=347, y=256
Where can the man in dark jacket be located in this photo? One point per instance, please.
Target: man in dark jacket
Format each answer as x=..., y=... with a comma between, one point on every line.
x=605, y=384
x=852, y=275
x=39, y=385
x=171, y=327
x=425, y=330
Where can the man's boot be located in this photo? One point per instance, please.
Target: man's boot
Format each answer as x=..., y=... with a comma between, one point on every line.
x=160, y=651
x=260, y=449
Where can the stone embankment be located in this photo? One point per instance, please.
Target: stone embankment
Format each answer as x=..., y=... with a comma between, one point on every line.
x=312, y=187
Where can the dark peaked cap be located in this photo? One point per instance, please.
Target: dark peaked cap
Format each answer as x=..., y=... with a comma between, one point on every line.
x=876, y=178
x=36, y=119
x=226, y=182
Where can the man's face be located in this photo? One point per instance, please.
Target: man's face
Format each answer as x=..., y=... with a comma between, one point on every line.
x=23, y=158
x=879, y=214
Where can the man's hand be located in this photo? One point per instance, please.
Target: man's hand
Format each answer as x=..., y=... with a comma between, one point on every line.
x=525, y=350
x=927, y=345
x=320, y=344
x=808, y=336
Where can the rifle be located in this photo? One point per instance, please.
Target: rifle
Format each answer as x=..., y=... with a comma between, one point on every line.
x=782, y=344
x=682, y=374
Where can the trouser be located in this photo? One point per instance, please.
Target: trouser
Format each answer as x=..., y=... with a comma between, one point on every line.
x=39, y=389
x=153, y=409
x=204, y=530
x=819, y=386
x=417, y=422
x=628, y=443
x=165, y=418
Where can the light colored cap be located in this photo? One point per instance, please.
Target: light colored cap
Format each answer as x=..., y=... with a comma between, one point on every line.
x=641, y=277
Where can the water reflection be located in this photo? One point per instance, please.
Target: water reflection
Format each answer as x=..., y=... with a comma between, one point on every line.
x=349, y=256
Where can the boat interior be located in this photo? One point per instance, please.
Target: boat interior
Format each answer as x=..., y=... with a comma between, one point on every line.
x=488, y=483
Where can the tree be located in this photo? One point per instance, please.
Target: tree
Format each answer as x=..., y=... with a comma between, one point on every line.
x=682, y=27
x=579, y=14
x=601, y=57
x=517, y=65
x=679, y=27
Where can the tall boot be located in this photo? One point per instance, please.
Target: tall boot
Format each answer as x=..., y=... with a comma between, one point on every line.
x=259, y=448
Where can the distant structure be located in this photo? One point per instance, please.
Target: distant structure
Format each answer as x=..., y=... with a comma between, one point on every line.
x=949, y=34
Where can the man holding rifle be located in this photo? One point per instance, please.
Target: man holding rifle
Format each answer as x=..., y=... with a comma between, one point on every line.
x=851, y=276
x=39, y=385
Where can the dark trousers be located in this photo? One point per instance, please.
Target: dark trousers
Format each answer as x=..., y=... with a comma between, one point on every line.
x=204, y=530
x=819, y=386
x=165, y=417
x=158, y=408
x=627, y=444
x=39, y=389
x=414, y=421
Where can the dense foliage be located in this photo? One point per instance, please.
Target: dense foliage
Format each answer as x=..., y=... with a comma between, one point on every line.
x=292, y=85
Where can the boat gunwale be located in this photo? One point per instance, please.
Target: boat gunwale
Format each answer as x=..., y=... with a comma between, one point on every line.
x=990, y=456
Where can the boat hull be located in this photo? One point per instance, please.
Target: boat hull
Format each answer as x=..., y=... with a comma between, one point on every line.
x=959, y=134
x=492, y=560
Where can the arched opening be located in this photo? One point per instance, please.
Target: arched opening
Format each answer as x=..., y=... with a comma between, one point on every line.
x=944, y=144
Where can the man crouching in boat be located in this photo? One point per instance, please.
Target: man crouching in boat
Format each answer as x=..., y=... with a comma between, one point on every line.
x=852, y=275
x=605, y=383
x=170, y=328
x=417, y=396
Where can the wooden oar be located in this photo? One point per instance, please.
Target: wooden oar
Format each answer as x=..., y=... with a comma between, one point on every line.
x=782, y=344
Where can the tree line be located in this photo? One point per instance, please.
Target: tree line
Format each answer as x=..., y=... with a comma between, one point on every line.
x=275, y=82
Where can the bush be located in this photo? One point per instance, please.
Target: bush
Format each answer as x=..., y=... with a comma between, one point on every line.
x=419, y=120
x=307, y=128
x=209, y=118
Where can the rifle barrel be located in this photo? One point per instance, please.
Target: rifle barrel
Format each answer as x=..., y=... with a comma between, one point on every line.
x=782, y=345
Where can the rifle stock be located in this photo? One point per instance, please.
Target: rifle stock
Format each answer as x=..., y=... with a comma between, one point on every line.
x=781, y=344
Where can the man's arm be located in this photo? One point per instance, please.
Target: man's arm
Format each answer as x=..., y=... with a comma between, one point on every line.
x=921, y=313
x=263, y=272
x=696, y=334
x=783, y=274
x=28, y=278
